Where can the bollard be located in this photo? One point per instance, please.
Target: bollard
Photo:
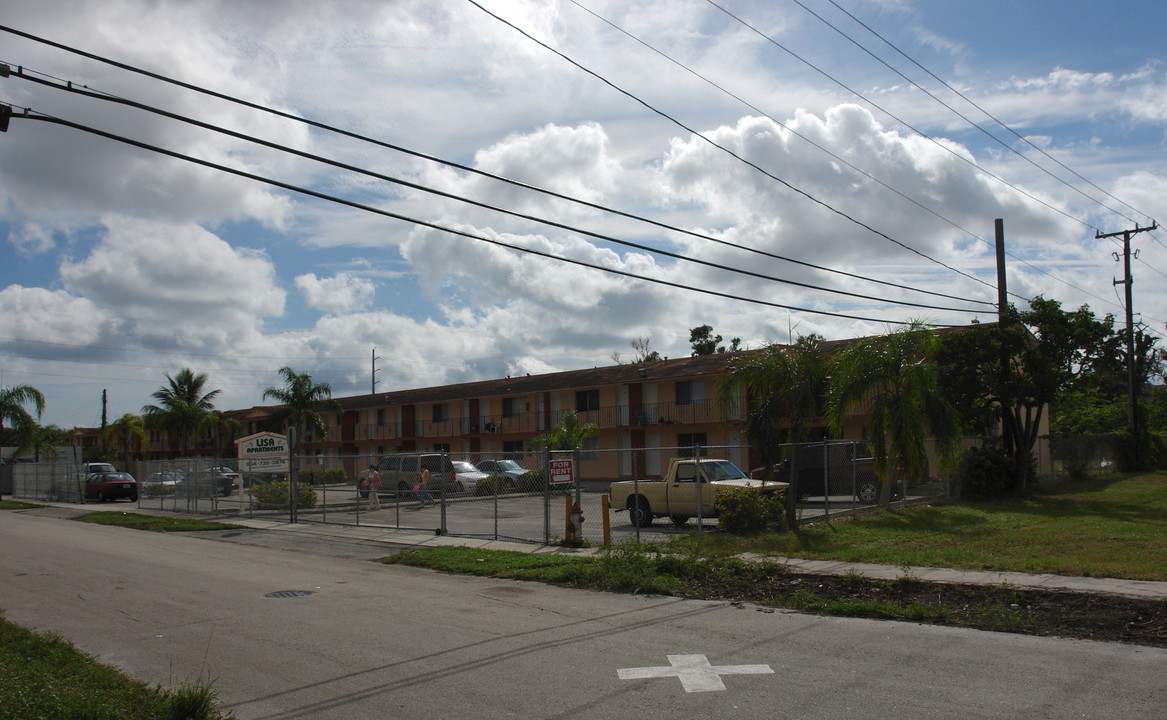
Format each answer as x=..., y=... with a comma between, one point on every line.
x=605, y=507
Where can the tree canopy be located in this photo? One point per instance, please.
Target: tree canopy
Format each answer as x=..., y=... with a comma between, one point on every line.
x=302, y=401
x=181, y=405
x=12, y=402
x=896, y=379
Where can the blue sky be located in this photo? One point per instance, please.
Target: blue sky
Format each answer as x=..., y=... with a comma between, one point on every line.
x=118, y=265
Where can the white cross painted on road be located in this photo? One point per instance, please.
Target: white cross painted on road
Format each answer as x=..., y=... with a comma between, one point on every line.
x=694, y=672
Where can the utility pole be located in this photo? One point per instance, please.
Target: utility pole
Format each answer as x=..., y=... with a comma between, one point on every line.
x=1002, y=328
x=1132, y=402
x=373, y=390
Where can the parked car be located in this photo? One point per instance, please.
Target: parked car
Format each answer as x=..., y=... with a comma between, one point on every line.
x=159, y=483
x=399, y=473
x=845, y=472
x=468, y=475
x=507, y=468
x=93, y=468
x=111, y=486
x=227, y=479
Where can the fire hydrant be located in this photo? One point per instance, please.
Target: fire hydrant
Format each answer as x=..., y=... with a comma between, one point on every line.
x=575, y=524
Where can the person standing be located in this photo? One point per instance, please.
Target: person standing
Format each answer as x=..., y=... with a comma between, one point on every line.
x=374, y=481
x=423, y=485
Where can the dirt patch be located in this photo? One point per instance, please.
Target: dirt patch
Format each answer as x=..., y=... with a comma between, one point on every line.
x=994, y=607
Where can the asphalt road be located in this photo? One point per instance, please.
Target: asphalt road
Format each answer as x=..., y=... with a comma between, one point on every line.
x=374, y=641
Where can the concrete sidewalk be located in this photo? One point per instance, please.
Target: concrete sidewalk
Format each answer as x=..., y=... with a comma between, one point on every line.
x=1143, y=589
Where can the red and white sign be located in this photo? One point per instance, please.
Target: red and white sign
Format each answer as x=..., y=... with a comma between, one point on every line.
x=562, y=472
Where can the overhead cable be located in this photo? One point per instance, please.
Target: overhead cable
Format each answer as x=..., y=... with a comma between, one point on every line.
x=42, y=117
x=987, y=114
x=458, y=166
x=827, y=206
x=895, y=117
x=82, y=90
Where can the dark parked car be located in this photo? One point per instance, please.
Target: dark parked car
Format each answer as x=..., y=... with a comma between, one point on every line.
x=111, y=486
x=845, y=472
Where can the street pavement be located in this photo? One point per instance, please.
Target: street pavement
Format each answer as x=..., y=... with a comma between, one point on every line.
x=293, y=621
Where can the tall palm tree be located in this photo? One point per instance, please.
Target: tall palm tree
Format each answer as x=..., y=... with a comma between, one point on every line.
x=302, y=401
x=896, y=378
x=12, y=402
x=122, y=432
x=785, y=384
x=182, y=404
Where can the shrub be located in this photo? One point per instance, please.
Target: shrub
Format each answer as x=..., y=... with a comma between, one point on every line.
x=275, y=495
x=530, y=481
x=986, y=472
x=748, y=512
x=493, y=485
x=154, y=490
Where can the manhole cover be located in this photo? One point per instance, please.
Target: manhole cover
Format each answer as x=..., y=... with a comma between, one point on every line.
x=288, y=593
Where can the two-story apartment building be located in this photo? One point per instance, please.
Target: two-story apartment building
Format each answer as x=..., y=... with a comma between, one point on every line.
x=669, y=403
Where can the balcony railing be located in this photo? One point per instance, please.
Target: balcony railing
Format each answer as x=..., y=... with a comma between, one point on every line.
x=532, y=423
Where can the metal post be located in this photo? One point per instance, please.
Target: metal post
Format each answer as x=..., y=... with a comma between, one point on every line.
x=545, y=461
x=697, y=479
x=636, y=487
x=827, y=481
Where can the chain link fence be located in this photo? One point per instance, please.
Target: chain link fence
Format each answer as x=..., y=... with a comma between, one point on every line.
x=515, y=496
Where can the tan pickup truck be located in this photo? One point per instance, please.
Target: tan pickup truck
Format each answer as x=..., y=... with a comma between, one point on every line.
x=676, y=495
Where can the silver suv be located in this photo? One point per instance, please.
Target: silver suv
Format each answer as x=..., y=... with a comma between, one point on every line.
x=399, y=473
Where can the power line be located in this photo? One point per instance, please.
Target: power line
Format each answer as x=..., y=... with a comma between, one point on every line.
x=82, y=90
x=42, y=117
x=895, y=117
x=458, y=166
x=830, y=208
x=992, y=117
x=842, y=160
x=953, y=110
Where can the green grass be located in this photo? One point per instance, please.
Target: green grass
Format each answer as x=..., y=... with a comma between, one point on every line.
x=155, y=523
x=46, y=677
x=1102, y=527
x=17, y=505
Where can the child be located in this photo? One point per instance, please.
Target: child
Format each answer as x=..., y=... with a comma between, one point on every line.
x=374, y=482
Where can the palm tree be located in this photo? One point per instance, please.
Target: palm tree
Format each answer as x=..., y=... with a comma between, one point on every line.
x=222, y=427
x=896, y=377
x=302, y=402
x=12, y=401
x=785, y=384
x=182, y=405
x=567, y=434
x=39, y=439
x=123, y=431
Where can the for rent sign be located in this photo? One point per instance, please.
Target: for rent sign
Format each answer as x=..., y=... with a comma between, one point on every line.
x=263, y=452
x=562, y=472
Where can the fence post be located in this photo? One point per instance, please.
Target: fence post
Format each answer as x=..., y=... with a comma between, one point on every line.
x=827, y=481
x=545, y=461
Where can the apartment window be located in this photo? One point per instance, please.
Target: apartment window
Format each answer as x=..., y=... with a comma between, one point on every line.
x=587, y=400
x=381, y=418
x=441, y=412
x=692, y=443
x=691, y=392
x=513, y=449
x=512, y=407
x=442, y=448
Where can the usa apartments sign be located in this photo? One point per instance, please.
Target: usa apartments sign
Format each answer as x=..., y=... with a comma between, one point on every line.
x=263, y=452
